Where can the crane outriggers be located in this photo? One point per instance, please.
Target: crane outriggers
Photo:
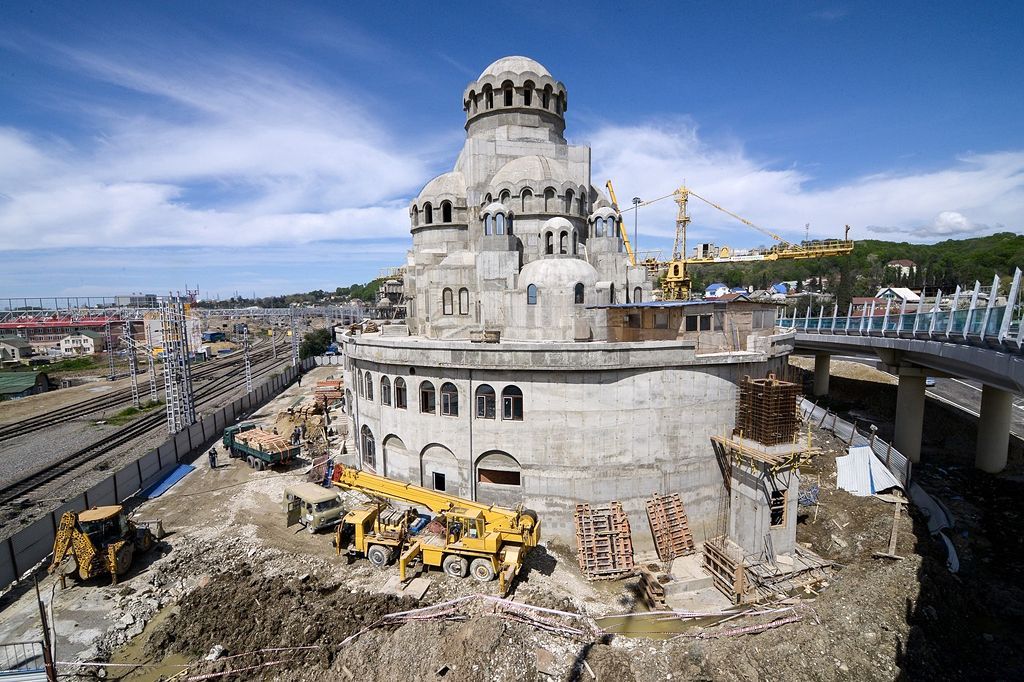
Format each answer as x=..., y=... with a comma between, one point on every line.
x=460, y=536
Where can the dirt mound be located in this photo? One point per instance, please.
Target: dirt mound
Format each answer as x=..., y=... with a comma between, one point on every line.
x=245, y=612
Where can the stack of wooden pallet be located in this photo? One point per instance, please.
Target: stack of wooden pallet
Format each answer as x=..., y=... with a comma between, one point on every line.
x=604, y=544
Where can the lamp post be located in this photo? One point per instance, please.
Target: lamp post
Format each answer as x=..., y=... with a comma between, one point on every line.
x=636, y=240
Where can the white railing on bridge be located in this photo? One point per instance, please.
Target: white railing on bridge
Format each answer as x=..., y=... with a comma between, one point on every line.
x=964, y=317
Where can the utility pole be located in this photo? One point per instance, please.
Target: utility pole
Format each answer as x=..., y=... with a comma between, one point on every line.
x=109, y=340
x=295, y=340
x=245, y=352
x=48, y=665
x=133, y=367
x=636, y=234
x=151, y=363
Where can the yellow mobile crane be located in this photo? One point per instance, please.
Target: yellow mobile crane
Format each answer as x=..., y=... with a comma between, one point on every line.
x=676, y=282
x=463, y=537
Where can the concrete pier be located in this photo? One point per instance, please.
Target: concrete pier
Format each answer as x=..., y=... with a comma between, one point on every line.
x=993, y=429
x=910, y=415
x=821, y=370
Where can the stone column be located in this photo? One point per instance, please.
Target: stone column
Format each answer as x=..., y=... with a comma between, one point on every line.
x=993, y=429
x=821, y=369
x=909, y=416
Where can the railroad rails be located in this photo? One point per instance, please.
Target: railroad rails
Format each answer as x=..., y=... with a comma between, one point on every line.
x=69, y=464
x=119, y=397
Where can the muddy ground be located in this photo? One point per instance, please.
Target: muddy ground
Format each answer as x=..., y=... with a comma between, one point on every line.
x=280, y=602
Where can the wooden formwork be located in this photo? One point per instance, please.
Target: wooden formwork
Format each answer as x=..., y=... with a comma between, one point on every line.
x=669, y=526
x=653, y=589
x=727, y=570
x=604, y=544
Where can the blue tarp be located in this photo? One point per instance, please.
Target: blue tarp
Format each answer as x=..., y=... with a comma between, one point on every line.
x=164, y=484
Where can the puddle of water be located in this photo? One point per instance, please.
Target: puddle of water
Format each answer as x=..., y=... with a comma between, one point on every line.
x=654, y=625
x=135, y=652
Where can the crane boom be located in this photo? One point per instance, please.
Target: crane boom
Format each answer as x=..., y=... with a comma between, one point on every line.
x=622, y=228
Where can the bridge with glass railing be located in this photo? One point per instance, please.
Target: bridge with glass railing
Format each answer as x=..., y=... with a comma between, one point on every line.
x=974, y=333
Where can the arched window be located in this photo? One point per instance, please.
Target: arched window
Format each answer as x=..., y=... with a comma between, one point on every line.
x=369, y=386
x=359, y=384
x=527, y=193
x=385, y=391
x=415, y=216
x=446, y=212
x=400, y=395
x=549, y=199
x=583, y=204
x=488, y=224
x=446, y=302
x=612, y=227
x=569, y=195
x=575, y=242
x=499, y=224
x=463, y=301
x=508, y=89
x=449, y=400
x=428, y=213
x=485, y=402
x=578, y=293
x=531, y=295
x=472, y=102
x=546, y=97
x=504, y=196
x=427, y=398
x=638, y=295
x=558, y=103
x=512, y=403
x=563, y=242
x=528, y=93
x=488, y=97
x=611, y=294
x=369, y=447
x=549, y=242
x=488, y=199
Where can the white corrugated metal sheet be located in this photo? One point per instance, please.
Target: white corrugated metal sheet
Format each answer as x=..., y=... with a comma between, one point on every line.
x=862, y=474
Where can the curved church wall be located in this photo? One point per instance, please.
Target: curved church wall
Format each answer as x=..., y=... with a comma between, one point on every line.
x=600, y=422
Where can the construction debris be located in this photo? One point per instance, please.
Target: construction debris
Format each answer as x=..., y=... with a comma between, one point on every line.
x=604, y=544
x=670, y=527
x=651, y=582
x=891, y=553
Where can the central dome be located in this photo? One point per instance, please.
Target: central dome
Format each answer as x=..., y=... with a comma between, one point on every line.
x=535, y=168
x=515, y=64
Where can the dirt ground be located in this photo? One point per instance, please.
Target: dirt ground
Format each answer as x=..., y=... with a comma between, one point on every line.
x=280, y=602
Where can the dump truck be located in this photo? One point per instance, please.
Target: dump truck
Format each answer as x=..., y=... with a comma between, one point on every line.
x=261, y=449
x=460, y=536
x=100, y=541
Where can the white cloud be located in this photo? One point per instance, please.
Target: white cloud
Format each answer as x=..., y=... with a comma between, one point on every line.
x=975, y=194
x=229, y=154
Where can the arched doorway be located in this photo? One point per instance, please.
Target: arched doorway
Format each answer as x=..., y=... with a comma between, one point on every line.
x=498, y=479
x=439, y=470
x=397, y=462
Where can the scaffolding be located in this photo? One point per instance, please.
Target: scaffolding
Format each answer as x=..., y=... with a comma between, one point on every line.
x=767, y=411
x=177, y=365
x=133, y=368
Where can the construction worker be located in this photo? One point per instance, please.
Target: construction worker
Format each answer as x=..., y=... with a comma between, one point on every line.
x=213, y=457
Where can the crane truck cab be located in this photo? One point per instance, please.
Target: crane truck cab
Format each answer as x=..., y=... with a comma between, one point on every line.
x=313, y=506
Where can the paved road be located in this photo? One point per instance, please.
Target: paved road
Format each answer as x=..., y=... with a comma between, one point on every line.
x=960, y=393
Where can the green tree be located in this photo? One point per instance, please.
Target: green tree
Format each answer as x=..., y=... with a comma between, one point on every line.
x=314, y=343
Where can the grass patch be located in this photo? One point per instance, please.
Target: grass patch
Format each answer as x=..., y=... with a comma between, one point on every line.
x=71, y=365
x=129, y=413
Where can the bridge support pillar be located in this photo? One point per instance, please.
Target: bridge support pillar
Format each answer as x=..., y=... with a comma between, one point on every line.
x=821, y=369
x=993, y=429
x=910, y=415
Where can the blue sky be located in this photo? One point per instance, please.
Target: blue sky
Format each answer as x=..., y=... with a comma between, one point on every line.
x=274, y=147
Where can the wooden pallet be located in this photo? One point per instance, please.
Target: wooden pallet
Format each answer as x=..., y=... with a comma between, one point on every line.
x=670, y=527
x=604, y=544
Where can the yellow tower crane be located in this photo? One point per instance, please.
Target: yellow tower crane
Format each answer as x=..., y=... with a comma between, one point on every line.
x=676, y=282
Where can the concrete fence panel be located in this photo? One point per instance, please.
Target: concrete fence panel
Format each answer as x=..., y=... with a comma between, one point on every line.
x=128, y=482
x=7, y=573
x=102, y=493
x=149, y=468
x=181, y=445
x=32, y=544
x=219, y=421
x=167, y=454
x=196, y=436
x=76, y=504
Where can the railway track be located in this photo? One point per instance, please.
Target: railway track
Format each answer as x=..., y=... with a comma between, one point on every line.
x=120, y=397
x=69, y=464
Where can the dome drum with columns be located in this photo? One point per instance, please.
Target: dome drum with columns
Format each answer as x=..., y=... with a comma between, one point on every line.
x=497, y=240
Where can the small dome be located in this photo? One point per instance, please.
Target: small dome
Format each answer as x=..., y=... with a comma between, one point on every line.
x=604, y=212
x=554, y=274
x=495, y=207
x=451, y=183
x=557, y=224
x=514, y=64
x=533, y=169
